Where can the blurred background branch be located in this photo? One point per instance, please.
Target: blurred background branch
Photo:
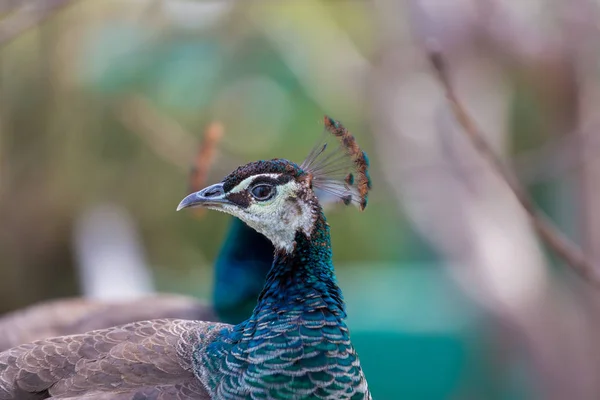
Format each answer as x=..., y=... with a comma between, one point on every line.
x=558, y=242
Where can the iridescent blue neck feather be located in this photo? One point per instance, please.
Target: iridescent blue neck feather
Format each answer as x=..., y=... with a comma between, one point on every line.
x=296, y=344
x=240, y=272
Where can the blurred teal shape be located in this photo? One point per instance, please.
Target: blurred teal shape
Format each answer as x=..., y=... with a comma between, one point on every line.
x=186, y=75
x=115, y=57
x=404, y=365
x=419, y=338
x=176, y=73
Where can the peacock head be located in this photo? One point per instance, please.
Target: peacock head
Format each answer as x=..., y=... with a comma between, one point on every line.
x=279, y=198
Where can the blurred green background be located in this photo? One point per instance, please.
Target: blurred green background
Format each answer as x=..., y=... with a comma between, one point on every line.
x=106, y=101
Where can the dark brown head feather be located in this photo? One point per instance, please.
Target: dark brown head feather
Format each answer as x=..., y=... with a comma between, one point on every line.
x=359, y=157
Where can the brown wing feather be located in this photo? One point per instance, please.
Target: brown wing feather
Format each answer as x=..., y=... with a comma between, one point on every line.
x=150, y=307
x=174, y=392
x=42, y=320
x=77, y=315
x=141, y=360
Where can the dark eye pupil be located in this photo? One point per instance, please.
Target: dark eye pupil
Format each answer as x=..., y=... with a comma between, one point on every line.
x=261, y=192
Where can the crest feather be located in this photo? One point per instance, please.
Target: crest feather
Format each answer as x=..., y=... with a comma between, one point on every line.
x=340, y=171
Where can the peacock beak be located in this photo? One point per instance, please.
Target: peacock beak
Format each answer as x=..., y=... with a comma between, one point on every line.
x=213, y=195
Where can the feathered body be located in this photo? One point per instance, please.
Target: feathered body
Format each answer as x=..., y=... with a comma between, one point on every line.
x=141, y=360
x=294, y=346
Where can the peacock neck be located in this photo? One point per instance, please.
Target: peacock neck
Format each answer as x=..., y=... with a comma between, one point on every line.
x=240, y=272
x=295, y=344
x=304, y=280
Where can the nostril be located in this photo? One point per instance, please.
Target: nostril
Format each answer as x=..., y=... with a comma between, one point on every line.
x=213, y=191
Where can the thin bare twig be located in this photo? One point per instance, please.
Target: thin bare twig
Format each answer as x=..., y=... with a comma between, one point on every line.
x=204, y=160
x=205, y=155
x=550, y=234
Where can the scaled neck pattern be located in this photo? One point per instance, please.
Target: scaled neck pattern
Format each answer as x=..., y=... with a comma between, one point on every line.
x=296, y=344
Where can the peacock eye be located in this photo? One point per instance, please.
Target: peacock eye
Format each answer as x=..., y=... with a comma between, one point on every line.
x=263, y=192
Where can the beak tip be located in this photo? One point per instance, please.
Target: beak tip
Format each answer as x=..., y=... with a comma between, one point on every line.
x=184, y=204
x=208, y=196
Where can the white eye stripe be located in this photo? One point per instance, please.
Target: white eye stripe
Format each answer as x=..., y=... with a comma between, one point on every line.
x=276, y=219
x=243, y=185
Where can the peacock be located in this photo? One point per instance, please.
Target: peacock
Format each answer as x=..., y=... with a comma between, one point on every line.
x=241, y=267
x=295, y=345
x=240, y=271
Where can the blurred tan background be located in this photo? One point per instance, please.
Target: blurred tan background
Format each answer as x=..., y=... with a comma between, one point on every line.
x=450, y=294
